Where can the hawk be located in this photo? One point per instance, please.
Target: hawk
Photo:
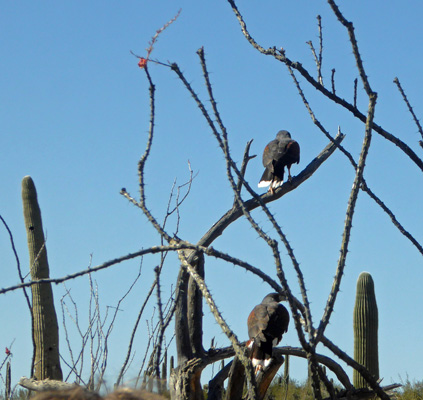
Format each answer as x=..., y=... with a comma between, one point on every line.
x=280, y=152
x=267, y=323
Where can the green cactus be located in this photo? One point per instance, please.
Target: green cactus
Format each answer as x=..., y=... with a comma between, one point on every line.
x=365, y=323
x=45, y=328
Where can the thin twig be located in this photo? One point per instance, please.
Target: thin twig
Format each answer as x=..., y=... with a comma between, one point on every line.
x=156, y=366
x=245, y=160
x=332, y=79
x=397, y=82
x=318, y=58
x=144, y=60
x=141, y=164
x=350, y=29
x=73, y=365
x=355, y=92
x=18, y=264
x=319, y=23
x=112, y=323
x=21, y=278
x=391, y=215
x=134, y=330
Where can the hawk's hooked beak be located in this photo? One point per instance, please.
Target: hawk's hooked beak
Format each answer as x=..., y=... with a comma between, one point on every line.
x=282, y=297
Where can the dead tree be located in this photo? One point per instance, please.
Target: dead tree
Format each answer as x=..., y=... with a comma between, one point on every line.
x=191, y=287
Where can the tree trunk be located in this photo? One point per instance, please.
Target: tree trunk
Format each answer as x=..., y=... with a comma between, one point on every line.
x=195, y=307
x=185, y=380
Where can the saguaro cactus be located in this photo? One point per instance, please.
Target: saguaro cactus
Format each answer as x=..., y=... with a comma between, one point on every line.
x=365, y=329
x=45, y=329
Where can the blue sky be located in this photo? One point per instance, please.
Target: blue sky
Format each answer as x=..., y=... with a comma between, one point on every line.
x=74, y=111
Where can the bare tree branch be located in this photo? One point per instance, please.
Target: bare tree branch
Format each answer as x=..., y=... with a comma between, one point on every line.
x=350, y=28
x=332, y=79
x=319, y=24
x=245, y=160
x=349, y=217
x=355, y=92
x=131, y=340
x=391, y=215
x=281, y=56
x=363, y=371
x=142, y=202
x=347, y=154
x=318, y=58
x=234, y=213
x=397, y=82
x=21, y=278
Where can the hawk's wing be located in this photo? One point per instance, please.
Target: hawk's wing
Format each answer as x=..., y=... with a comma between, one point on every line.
x=275, y=152
x=268, y=321
x=257, y=322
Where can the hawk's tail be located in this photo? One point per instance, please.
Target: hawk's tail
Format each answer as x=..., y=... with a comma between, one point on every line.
x=269, y=179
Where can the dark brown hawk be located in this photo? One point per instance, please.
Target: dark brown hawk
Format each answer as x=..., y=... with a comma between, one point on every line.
x=266, y=325
x=279, y=153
